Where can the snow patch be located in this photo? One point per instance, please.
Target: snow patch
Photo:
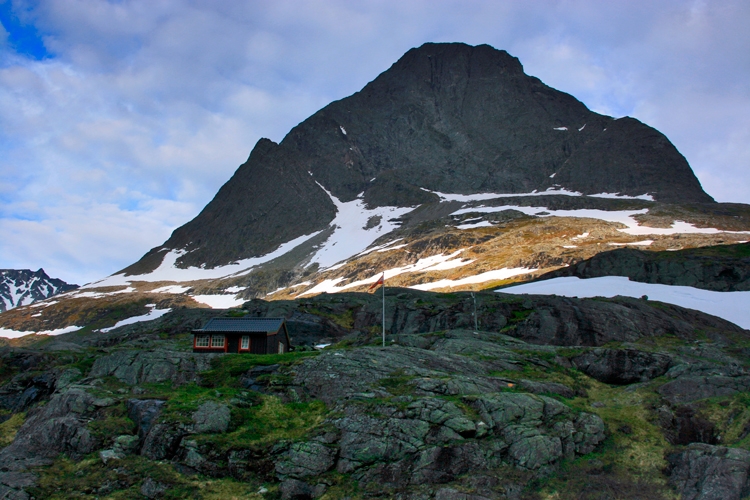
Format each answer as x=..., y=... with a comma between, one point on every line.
x=378, y=248
x=553, y=175
x=498, y=274
x=150, y=316
x=219, y=301
x=581, y=129
x=492, y=196
x=473, y=225
x=643, y=243
x=434, y=263
x=560, y=128
x=343, y=130
x=618, y=196
x=731, y=306
x=624, y=217
x=167, y=271
x=14, y=334
x=350, y=237
x=171, y=289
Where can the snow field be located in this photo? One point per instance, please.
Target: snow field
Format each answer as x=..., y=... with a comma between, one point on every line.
x=149, y=316
x=731, y=306
x=14, y=334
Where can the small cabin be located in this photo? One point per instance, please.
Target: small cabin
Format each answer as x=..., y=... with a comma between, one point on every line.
x=243, y=335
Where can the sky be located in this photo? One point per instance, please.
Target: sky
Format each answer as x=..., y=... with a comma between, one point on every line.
x=119, y=120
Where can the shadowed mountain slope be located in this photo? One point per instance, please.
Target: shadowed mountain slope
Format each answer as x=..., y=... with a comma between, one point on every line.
x=446, y=117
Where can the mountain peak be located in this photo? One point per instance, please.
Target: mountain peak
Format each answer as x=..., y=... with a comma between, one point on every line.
x=446, y=117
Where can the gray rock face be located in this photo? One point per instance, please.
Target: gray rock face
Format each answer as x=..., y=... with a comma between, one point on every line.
x=138, y=367
x=57, y=427
x=211, y=417
x=144, y=413
x=306, y=459
x=445, y=117
x=293, y=489
x=26, y=389
x=421, y=437
x=162, y=442
x=546, y=388
x=622, y=366
x=570, y=322
x=727, y=271
x=706, y=472
x=699, y=381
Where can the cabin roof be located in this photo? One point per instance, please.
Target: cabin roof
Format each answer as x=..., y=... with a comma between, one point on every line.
x=258, y=325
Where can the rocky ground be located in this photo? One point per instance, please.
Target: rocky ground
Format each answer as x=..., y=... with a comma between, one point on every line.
x=550, y=398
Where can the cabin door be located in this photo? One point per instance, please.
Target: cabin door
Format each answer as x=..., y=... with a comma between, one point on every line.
x=233, y=343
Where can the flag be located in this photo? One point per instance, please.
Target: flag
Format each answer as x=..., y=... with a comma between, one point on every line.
x=381, y=281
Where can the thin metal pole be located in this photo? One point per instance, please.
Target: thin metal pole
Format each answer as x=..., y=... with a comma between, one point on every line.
x=476, y=327
x=384, y=310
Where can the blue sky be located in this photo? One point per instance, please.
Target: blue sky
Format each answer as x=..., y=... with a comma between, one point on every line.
x=120, y=120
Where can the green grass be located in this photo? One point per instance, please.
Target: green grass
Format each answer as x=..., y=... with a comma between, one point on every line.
x=9, y=429
x=731, y=416
x=115, y=422
x=226, y=369
x=266, y=423
x=397, y=384
x=68, y=479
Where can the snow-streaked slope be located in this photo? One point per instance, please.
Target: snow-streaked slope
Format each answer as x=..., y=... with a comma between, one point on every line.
x=434, y=263
x=498, y=274
x=624, y=217
x=732, y=306
x=153, y=314
x=557, y=190
x=350, y=235
x=167, y=271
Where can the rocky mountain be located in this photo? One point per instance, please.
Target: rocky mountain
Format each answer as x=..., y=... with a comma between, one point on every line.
x=447, y=118
x=452, y=170
x=23, y=287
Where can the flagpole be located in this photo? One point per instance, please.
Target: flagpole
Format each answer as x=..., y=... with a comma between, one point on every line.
x=383, y=309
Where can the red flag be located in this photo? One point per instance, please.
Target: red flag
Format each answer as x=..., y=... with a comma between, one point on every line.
x=381, y=281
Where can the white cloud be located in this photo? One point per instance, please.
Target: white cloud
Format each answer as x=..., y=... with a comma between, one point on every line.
x=147, y=108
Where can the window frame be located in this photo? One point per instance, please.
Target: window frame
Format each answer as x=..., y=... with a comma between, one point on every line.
x=242, y=343
x=205, y=337
x=221, y=337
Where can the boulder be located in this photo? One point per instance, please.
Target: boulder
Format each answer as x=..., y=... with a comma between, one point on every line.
x=139, y=367
x=153, y=489
x=211, y=417
x=306, y=459
x=622, y=366
x=293, y=489
x=707, y=472
x=162, y=442
x=546, y=388
x=144, y=413
x=693, y=382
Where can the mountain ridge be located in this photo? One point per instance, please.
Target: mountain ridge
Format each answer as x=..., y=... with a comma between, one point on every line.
x=21, y=287
x=445, y=117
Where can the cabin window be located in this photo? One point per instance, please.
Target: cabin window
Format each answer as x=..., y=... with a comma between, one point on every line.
x=217, y=340
x=245, y=343
x=281, y=348
x=201, y=340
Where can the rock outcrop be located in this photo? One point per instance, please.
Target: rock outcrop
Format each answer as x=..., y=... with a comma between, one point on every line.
x=723, y=269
